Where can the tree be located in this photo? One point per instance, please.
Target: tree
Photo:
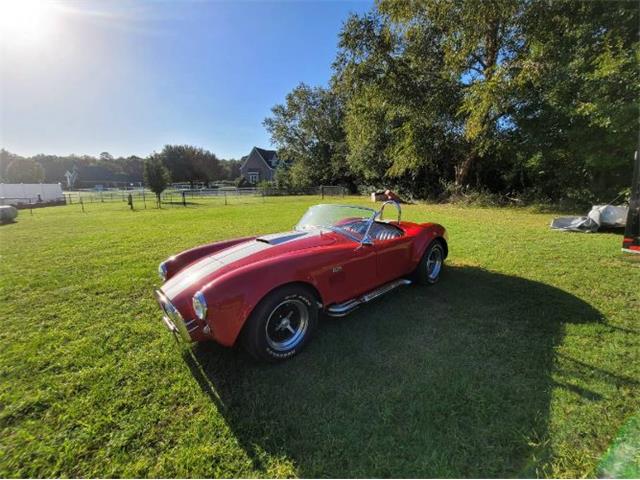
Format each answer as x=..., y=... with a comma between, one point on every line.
x=133, y=167
x=308, y=131
x=24, y=170
x=575, y=125
x=229, y=169
x=54, y=167
x=6, y=158
x=190, y=164
x=282, y=177
x=156, y=176
x=542, y=96
x=480, y=41
x=400, y=119
x=242, y=182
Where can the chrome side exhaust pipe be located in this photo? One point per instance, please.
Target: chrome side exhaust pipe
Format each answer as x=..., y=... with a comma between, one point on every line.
x=342, y=309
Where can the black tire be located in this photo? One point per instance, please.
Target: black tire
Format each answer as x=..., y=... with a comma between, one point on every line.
x=431, y=264
x=282, y=324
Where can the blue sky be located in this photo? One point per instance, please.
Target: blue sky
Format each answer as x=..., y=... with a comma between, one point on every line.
x=128, y=77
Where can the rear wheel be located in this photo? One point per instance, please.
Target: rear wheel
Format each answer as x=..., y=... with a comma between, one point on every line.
x=430, y=266
x=281, y=324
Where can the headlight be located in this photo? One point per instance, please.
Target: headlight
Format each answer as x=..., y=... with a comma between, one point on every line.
x=162, y=271
x=200, y=305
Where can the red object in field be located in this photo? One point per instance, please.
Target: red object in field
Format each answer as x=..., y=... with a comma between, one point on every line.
x=268, y=290
x=386, y=195
x=392, y=196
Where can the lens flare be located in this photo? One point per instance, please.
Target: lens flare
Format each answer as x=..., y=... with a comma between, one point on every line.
x=25, y=22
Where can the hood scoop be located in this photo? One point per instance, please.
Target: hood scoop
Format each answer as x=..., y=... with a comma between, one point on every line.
x=280, y=238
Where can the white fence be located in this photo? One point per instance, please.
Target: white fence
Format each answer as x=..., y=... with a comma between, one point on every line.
x=17, y=193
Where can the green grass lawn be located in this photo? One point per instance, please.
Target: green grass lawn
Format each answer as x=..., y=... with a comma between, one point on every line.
x=523, y=361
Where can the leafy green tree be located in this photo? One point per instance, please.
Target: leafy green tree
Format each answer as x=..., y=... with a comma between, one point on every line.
x=505, y=95
x=264, y=186
x=55, y=167
x=400, y=120
x=480, y=41
x=6, y=158
x=156, y=176
x=190, y=164
x=308, y=131
x=24, y=170
x=133, y=167
x=229, y=169
x=282, y=177
x=242, y=182
x=576, y=121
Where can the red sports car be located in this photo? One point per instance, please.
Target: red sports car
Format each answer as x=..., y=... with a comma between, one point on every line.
x=268, y=291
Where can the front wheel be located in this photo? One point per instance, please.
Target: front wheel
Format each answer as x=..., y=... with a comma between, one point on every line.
x=281, y=324
x=430, y=266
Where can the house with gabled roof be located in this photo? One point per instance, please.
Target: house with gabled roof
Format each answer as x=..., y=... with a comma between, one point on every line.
x=259, y=165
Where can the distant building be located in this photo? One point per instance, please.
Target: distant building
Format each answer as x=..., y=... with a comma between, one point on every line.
x=259, y=165
x=99, y=177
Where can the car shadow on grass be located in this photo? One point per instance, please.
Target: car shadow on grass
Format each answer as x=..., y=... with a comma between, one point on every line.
x=449, y=380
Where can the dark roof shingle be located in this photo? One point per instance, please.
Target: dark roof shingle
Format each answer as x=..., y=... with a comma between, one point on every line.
x=270, y=156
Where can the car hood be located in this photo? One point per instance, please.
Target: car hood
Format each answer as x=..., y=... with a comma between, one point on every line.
x=206, y=269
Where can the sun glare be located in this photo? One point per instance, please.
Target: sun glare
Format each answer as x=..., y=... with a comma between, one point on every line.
x=26, y=22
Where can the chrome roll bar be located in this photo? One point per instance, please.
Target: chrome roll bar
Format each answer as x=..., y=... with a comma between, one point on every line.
x=392, y=202
x=365, y=239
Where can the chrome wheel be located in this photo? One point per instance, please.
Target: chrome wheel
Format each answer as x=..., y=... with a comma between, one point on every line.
x=434, y=262
x=287, y=324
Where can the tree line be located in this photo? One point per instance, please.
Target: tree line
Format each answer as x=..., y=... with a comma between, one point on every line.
x=184, y=163
x=532, y=100
x=517, y=98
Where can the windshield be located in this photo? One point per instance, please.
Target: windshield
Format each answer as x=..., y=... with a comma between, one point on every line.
x=351, y=221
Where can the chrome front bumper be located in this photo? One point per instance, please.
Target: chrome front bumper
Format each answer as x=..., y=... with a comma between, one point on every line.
x=173, y=320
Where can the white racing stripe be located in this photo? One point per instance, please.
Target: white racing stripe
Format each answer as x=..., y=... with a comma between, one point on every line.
x=209, y=265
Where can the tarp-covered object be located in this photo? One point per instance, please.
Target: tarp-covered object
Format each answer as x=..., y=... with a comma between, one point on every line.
x=8, y=213
x=575, y=224
x=608, y=216
x=631, y=241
